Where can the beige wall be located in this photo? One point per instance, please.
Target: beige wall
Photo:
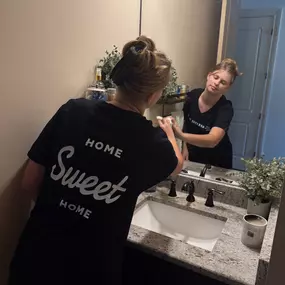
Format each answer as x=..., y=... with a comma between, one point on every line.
x=188, y=32
x=47, y=53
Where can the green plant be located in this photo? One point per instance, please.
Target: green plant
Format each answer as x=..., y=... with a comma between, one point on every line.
x=172, y=86
x=263, y=179
x=108, y=63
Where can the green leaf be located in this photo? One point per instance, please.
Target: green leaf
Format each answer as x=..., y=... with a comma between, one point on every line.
x=263, y=179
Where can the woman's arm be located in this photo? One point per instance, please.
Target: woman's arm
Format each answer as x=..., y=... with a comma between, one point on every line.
x=216, y=134
x=207, y=141
x=32, y=179
x=178, y=155
x=185, y=152
x=167, y=128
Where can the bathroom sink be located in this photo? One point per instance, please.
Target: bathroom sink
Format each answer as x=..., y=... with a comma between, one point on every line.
x=189, y=227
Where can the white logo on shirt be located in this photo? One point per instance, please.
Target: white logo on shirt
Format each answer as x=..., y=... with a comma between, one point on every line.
x=76, y=208
x=206, y=128
x=86, y=185
x=104, y=147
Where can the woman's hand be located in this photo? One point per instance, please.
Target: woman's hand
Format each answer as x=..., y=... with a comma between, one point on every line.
x=177, y=130
x=166, y=125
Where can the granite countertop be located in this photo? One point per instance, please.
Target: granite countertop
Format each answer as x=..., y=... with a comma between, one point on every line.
x=229, y=261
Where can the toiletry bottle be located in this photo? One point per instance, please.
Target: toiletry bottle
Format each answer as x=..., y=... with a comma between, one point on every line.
x=98, y=78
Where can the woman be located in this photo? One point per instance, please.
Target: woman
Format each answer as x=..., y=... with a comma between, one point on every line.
x=83, y=172
x=207, y=117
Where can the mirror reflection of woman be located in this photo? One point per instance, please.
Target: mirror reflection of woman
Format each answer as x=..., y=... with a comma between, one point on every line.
x=207, y=117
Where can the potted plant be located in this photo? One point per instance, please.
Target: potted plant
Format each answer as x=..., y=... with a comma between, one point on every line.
x=263, y=182
x=172, y=86
x=108, y=62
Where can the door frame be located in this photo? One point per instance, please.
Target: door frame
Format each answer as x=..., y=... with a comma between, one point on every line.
x=227, y=35
x=276, y=15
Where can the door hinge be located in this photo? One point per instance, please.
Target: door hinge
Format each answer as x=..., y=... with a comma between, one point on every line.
x=274, y=31
x=259, y=117
x=254, y=154
x=265, y=75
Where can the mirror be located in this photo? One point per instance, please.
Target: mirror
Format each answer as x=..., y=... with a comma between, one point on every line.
x=195, y=45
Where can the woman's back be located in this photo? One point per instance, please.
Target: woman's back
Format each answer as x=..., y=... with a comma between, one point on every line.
x=98, y=159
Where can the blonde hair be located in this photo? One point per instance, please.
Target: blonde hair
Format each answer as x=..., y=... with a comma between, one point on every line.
x=143, y=70
x=230, y=66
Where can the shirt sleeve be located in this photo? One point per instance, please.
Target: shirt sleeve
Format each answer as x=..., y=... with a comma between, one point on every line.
x=224, y=117
x=158, y=162
x=41, y=148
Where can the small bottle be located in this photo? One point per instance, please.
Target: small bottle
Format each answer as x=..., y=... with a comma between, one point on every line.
x=183, y=89
x=178, y=90
x=98, y=74
x=98, y=78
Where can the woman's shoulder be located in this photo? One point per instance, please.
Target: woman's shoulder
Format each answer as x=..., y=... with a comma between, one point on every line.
x=192, y=97
x=195, y=92
x=78, y=103
x=82, y=103
x=226, y=103
x=225, y=106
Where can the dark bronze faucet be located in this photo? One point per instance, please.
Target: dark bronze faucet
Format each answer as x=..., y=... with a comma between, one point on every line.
x=210, y=198
x=189, y=188
x=172, y=192
x=204, y=170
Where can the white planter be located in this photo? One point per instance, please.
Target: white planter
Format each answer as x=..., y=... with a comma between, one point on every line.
x=261, y=209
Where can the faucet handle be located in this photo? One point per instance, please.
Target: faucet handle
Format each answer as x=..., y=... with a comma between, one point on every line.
x=189, y=187
x=211, y=191
x=172, y=192
x=210, y=200
x=220, y=192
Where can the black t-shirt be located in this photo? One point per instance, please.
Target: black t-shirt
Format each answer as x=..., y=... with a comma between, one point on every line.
x=195, y=122
x=98, y=160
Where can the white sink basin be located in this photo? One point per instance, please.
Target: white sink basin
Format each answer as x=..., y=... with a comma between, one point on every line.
x=189, y=227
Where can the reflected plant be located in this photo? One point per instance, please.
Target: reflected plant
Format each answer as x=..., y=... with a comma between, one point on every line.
x=172, y=86
x=107, y=63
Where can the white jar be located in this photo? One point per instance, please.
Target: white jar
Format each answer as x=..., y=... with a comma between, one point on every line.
x=254, y=227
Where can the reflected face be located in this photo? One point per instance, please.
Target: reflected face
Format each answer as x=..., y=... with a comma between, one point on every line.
x=218, y=82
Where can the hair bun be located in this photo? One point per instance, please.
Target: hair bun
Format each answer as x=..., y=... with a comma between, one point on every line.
x=142, y=70
x=150, y=45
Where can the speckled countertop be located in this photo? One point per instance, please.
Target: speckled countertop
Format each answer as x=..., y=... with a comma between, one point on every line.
x=230, y=261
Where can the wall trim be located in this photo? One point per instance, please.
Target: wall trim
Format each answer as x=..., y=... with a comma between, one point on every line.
x=140, y=18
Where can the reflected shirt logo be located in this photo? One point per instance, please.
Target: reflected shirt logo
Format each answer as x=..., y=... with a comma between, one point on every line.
x=192, y=121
